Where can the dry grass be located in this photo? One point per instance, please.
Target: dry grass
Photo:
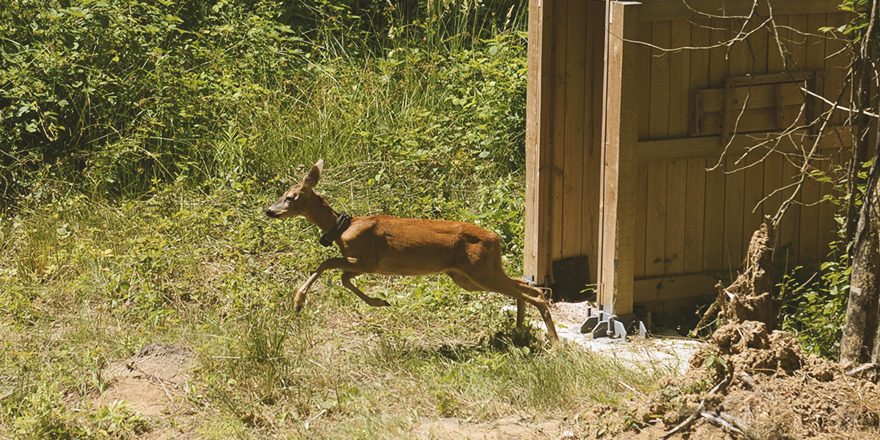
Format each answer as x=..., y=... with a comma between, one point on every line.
x=222, y=288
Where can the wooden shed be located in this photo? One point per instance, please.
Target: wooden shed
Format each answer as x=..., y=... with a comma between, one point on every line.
x=630, y=106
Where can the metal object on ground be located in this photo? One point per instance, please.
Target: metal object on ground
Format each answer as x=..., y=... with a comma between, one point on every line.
x=613, y=327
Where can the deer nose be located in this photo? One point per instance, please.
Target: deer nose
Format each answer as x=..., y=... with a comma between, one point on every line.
x=270, y=213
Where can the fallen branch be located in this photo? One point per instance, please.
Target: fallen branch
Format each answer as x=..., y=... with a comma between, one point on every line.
x=721, y=422
x=736, y=422
x=696, y=413
x=716, y=306
x=860, y=369
x=746, y=379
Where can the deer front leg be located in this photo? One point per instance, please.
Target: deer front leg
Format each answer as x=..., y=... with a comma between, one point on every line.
x=375, y=302
x=300, y=299
x=351, y=266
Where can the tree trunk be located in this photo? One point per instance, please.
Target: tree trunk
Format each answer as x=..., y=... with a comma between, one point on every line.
x=860, y=342
x=860, y=339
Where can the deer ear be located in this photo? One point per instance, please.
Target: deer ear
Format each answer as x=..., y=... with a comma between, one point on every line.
x=311, y=179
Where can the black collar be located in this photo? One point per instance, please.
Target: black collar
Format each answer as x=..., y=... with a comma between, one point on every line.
x=342, y=223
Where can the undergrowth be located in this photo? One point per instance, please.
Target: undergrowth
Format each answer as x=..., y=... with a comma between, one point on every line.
x=87, y=284
x=142, y=143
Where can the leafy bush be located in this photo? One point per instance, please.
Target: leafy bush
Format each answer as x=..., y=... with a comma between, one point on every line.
x=128, y=92
x=816, y=300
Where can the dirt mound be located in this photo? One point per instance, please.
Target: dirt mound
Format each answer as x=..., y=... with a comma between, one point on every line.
x=153, y=382
x=749, y=348
x=751, y=384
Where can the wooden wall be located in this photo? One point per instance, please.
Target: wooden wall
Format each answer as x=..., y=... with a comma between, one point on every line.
x=564, y=134
x=692, y=223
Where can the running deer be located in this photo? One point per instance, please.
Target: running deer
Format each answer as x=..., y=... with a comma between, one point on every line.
x=387, y=245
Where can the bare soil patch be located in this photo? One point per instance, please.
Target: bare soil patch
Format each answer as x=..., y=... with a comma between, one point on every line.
x=153, y=382
x=509, y=428
x=769, y=390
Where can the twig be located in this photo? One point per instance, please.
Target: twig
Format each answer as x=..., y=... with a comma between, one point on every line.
x=838, y=106
x=629, y=387
x=735, y=421
x=686, y=422
x=861, y=368
x=746, y=379
x=696, y=413
x=720, y=421
x=716, y=306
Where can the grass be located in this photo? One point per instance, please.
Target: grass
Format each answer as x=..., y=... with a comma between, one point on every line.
x=173, y=247
x=85, y=285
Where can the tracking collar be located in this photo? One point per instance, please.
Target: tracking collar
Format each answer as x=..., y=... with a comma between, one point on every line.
x=342, y=223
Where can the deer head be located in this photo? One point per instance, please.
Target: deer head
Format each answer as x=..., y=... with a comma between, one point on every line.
x=297, y=199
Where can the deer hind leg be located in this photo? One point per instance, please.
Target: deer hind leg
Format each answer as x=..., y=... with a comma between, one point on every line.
x=523, y=293
x=519, y=290
x=346, y=281
x=465, y=283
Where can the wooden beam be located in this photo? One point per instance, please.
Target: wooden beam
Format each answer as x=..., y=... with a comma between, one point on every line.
x=661, y=10
x=673, y=287
x=619, y=160
x=536, y=264
x=712, y=147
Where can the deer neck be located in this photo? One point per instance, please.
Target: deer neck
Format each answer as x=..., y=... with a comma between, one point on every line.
x=321, y=214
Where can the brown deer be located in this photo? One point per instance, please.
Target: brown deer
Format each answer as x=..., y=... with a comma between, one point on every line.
x=387, y=245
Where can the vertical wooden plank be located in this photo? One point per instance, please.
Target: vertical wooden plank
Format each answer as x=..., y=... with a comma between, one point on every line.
x=644, y=61
x=773, y=165
x=676, y=184
x=641, y=219
x=558, y=124
x=809, y=233
x=696, y=168
x=734, y=183
x=536, y=263
x=696, y=205
x=734, y=240
x=573, y=152
x=619, y=160
x=758, y=56
x=775, y=56
x=834, y=66
x=593, y=79
x=678, y=128
x=827, y=229
x=789, y=228
x=680, y=71
x=658, y=128
x=754, y=174
x=752, y=196
x=713, y=243
x=797, y=41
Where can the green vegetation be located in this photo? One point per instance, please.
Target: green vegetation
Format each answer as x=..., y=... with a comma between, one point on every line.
x=141, y=142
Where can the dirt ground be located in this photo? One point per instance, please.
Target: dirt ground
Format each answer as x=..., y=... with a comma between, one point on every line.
x=153, y=382
x=753, y=385
x=784, y=394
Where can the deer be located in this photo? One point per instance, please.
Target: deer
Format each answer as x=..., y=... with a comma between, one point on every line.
x=387, y=245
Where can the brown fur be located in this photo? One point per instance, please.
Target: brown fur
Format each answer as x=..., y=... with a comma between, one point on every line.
x=387, y=245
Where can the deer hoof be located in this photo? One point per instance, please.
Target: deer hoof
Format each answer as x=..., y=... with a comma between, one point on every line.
x=298, y=308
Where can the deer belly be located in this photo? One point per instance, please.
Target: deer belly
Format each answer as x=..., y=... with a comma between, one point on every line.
x=425, y=264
